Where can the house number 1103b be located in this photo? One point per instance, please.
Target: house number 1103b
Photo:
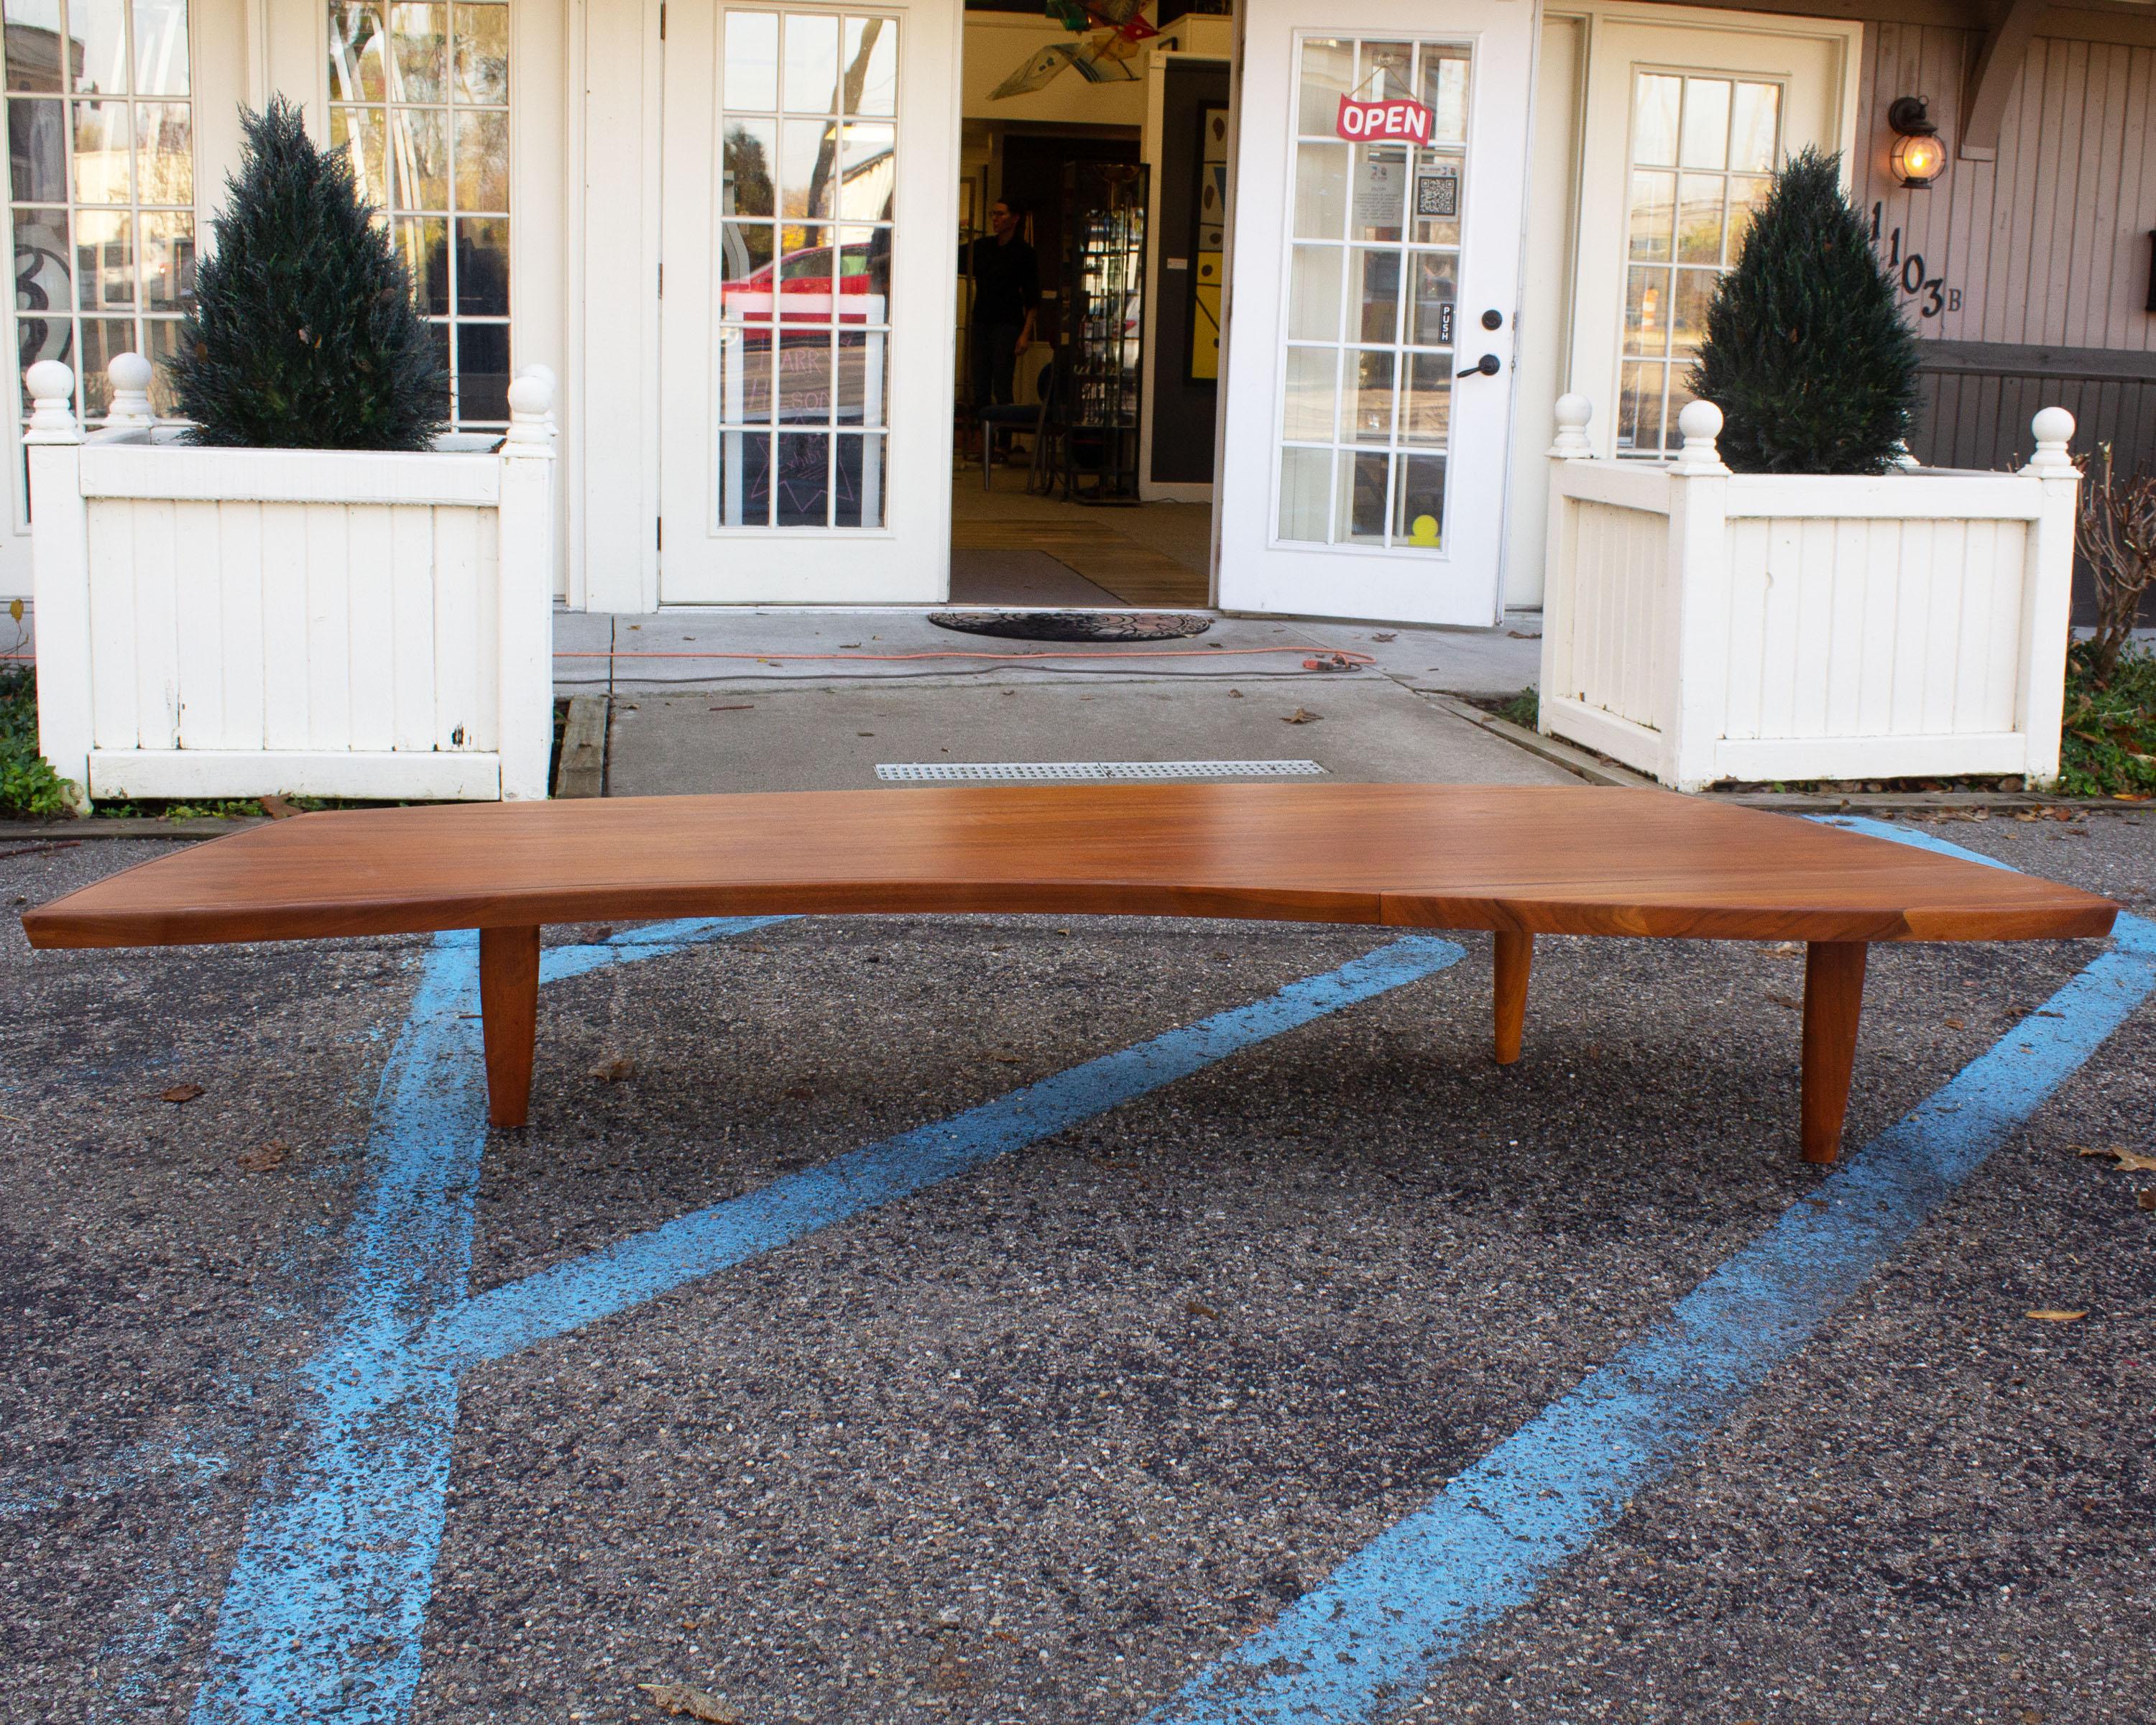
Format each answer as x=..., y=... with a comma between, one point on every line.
x=1908, y=274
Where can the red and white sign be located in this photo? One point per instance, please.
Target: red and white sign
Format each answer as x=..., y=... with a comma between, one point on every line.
x=1402, y=117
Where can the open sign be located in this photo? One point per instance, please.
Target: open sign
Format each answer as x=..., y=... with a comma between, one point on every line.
x=1401, y=117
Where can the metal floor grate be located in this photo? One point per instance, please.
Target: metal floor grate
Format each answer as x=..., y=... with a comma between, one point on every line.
x=1035, y=772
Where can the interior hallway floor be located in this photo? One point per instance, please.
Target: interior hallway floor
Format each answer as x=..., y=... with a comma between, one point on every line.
x=1010, y=548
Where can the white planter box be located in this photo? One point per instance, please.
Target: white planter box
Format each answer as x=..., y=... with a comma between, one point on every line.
x=1702, y=625
x=232, y=622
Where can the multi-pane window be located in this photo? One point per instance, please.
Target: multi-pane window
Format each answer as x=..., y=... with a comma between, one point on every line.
x=1374, y=267
x=419, y=94
x=102, y=184
x=1703, y=150
x=809, y=138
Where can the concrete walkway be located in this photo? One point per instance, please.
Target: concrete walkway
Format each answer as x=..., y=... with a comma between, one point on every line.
x=801, y=700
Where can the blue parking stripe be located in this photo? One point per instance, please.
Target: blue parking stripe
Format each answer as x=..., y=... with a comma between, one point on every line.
x=1383, y=1624
x=645, y=1266
x=322, y=1618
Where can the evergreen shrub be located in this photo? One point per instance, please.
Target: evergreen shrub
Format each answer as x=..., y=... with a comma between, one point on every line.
x=1806, y=352
x=305, y=333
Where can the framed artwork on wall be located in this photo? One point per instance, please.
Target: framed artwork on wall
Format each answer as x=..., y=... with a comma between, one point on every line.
x=1208, y=249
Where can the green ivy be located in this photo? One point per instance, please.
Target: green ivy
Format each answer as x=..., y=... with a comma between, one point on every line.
x=2108, y=738
x=29, y=788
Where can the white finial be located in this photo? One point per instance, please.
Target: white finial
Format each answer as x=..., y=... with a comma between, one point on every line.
x=52, y=395
x=2054, y=428
x=545, y=374
x=1573, y=413
x=131, y=375
x=531, y=399
x=1701, y=422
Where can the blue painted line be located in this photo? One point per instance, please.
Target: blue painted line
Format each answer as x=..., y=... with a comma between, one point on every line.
x=1384, y=1622
x=321, y=1616
x=645, y=1266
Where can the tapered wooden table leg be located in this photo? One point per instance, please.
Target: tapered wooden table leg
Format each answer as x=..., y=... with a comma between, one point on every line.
x=1834, y=997
x=509, y=1014
x=1515, y=955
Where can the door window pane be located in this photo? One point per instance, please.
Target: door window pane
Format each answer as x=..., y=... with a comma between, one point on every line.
x=804, y=267
x=1725, y=134
x=1372, y=282
x=113, y=274
x=419, y=95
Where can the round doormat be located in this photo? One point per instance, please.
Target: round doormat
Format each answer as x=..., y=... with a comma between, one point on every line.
x=1074, y=625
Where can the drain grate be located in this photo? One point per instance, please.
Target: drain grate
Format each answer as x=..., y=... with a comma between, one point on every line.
x=1035, y=772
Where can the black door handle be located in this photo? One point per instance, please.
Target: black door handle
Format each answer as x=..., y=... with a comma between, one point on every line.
x=1486, y=367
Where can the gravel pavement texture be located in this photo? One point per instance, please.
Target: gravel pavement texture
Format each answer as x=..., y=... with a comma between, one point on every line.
x=1041, y=1442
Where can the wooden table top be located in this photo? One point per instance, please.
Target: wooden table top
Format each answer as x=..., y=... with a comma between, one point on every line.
x=1542, y=859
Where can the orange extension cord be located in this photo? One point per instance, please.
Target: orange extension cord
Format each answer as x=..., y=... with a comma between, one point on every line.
x=955, y=653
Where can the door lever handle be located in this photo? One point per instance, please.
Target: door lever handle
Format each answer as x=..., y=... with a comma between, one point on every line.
x=1486, y=367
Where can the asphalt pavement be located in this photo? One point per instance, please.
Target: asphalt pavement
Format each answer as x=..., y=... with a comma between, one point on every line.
x=1203, y=1372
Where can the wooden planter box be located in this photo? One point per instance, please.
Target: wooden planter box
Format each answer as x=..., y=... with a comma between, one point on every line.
x=1701, y=625
x=232, y=622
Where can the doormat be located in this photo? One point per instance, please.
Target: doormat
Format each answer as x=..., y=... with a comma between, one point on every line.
x=1075, y=625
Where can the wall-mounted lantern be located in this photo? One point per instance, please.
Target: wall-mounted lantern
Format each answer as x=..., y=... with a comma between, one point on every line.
x=1919, y=158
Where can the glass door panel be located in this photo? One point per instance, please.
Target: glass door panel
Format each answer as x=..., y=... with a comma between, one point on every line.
x=1368, y=418
x=1372, y=282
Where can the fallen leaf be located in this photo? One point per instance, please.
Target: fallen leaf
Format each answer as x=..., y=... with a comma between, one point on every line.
x=1008, y=1060
x=1794, y=1004
x=2128, y=1161
x=1788, y=949
x=2056, y=1318
x=801, y=1093
x=1300, y=715
x=845, y=646
x=679, y=1698
x=1199, y=1308
x=180, y=1093
x=277, y=807
x=2146, y=1197
x=1385, y=638
x=1956, y=1025
x=263, y=1157
x=1521, y=635
x=1234, y=694
x=614, y=1072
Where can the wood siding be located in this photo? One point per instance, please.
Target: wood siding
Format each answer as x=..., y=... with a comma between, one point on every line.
x=2048, y=245
x=2048, y=248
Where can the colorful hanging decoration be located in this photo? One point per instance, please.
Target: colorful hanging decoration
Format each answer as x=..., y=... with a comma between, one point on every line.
x=1111, y=31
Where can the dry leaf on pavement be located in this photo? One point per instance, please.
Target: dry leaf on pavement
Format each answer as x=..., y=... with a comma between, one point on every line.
x=2126, y=1161
x=180, y=1093
x=263, y=1157
x=681, y=1699
x=615, y=1071
x=1300, y=715
x=2056, y=1318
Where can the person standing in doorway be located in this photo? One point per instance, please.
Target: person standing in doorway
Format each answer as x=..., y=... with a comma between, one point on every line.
x=1006, y=297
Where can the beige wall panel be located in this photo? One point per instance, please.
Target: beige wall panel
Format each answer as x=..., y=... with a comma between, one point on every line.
x=2048, y=245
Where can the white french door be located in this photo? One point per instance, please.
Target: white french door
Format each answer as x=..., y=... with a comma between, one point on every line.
x=808, y=241
x=1375, y=287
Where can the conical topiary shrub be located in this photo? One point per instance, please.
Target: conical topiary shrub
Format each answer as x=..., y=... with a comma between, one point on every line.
x=1806, y=353
x=305, y=334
